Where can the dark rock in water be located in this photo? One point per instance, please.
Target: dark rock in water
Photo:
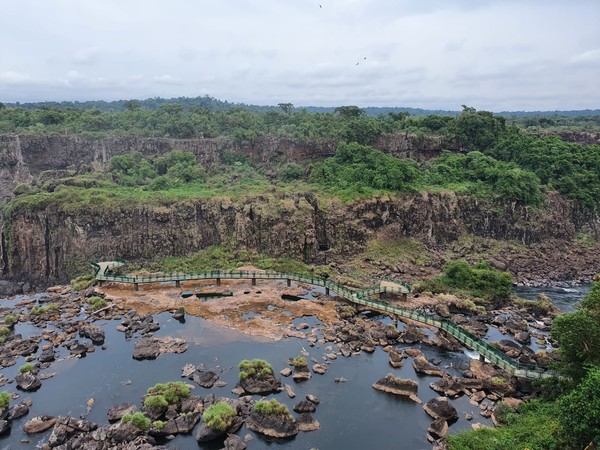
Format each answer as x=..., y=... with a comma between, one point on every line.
x=421, y=365
x=205, y=379
x=412, y=335
x=18, y=411
x=440, y=408
x=28, y=382
x=187, y=294
x=234, y=442
x=438, y=429
x=67, y=427
x=305, y=406
x=116, y=412
x=39, y=424
x=523, y=337
x=396, y=358
x=454, y=386
x=4, y=427
x=4, y=412
x=146, y=348
x=313, y=398
x=340, y=380
x=306, y=422
x=273, y=425
x=319, y=368
x=78, y=349
x=206, y=434
x=92, y=332
x=47, y=355
x=185, y=423
x=301, y=374
x=398, y=386
x=261, y=384
x=192, y=404
x=179, y=314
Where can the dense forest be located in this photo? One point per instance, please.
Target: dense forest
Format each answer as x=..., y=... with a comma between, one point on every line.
x=489, y=157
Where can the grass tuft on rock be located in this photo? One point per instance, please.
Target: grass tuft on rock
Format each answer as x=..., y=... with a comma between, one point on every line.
x=256, y=367
x=155, y=402
x=299, y=362
x=172, y=392
x=39, y=310
x=96, y=302
x=219, y=416
x=271, y=408
x=137, y=419
x=27, y=367
x=4, y=399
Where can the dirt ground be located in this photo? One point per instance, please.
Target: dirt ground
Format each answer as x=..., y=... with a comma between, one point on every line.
x=272, y=316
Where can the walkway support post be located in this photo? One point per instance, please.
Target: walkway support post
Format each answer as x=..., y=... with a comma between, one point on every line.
x=177, y=283
x=481, y=358
x=136, y=286
x=218, y=282
x=404, y=297
x=326, y=291
x=289, y=282
x=253, y=281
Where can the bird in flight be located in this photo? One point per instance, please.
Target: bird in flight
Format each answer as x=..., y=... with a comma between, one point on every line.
x=320, y=6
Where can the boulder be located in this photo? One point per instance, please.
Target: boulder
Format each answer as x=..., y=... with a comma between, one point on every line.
x=396, y=358
x=4, y=427
x=47, y=356
x=188, y=370
x=306, y=422
x=92, y=332
x=440, y=408
x=115, y=413
x=18, y=411
x=285, y=372
x=28, y=381
x=272, y=425
x=398, y=386
x=319, y=368
x=260, y=384
x=421, y=365
x=205, y=379
x=39, y=424
x=313, y=398
x=301, y=374
x=305, y=406
x=438, y=429
x=146, y=348
x=185, y=423
x=234, y=442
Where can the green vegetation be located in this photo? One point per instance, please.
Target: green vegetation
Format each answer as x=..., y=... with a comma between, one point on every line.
x=172, y=392
x=567, y=415
x=96, y=302
x=256, y=367
x=299, y=362
x=156, y=402
x=219, y=416
x=4, y=331
x=271, y=407
x=27, y=367
x=480, y=280
x=137, y=419
x=10, y=320
x=39, y=310
x=533, y=428
x=4, y=399
x=83, y=282
x=158, y=424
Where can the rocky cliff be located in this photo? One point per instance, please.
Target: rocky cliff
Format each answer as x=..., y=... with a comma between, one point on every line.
x=45, y=245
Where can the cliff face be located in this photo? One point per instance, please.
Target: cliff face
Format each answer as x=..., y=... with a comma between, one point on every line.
x=42, y=246
x=23, y=158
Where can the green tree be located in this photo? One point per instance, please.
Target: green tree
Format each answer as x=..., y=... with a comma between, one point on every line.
x=286, y=107
x=347, y=112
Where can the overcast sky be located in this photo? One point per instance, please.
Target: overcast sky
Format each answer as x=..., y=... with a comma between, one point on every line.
x=489, y=54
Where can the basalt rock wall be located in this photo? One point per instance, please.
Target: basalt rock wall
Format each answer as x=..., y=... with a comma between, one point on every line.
x=45, y=246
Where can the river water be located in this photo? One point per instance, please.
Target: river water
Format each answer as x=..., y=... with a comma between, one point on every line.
x=352, y=414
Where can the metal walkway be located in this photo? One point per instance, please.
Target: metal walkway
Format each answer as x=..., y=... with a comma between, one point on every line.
x=360, y=297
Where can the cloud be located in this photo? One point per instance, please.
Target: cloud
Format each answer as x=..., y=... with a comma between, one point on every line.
x=168, y=79
x=11, y=78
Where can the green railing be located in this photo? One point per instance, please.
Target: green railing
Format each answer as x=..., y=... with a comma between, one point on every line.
x=361, y=297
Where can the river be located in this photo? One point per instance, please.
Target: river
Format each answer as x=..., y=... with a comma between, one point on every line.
x=352, y=414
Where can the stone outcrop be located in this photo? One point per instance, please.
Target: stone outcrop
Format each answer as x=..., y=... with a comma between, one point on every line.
x=398, y=386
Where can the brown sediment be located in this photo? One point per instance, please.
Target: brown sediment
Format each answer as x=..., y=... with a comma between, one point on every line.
x=228, y=311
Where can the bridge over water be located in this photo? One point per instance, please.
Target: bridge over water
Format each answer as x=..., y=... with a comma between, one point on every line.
x=369, y=298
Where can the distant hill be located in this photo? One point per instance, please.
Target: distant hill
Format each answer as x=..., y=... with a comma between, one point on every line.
x=216, y=104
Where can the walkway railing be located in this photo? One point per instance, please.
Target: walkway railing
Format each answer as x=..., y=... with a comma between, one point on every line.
x=362, y=297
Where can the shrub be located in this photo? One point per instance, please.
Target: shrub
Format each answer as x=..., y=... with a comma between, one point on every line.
x=4, y=331
x=96, y=302
x=155, y=402
x=27, y=367
x=137, y=419
x=219, y=416
x=10, y=320
x=4, y=399
x=299, y=362
x=83, y=282
x=38, y=310
x=172, y=392
x=271, y=407
x=158, y=424
x=254, y=367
